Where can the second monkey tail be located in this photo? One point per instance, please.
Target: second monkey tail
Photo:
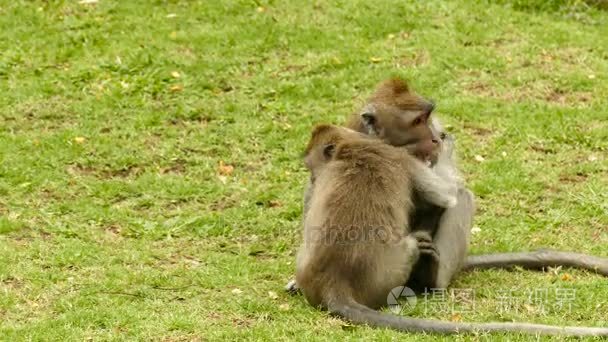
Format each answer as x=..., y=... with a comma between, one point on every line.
x=357, y=313
x=538, y=260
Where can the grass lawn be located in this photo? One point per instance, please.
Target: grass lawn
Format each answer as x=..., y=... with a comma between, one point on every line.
x=150, y=170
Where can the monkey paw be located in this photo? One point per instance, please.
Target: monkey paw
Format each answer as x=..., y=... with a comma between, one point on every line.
x=291, y=287
x=425, y=244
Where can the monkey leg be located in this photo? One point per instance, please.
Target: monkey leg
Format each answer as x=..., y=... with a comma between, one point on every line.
x=451, y=241
x=452, y=238
x=538, y=260
x=292, y=288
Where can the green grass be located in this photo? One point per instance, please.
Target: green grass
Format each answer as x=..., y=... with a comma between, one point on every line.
x=118, y=222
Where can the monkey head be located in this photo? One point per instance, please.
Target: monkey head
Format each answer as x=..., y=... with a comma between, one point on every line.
x=322, y=145
x=400, y=117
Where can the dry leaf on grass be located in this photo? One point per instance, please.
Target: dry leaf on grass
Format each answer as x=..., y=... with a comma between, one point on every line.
x=225, y=169
x=274, y=203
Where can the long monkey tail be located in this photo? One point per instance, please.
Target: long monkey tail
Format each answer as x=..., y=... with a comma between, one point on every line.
x=538, y=260
x=361, y=314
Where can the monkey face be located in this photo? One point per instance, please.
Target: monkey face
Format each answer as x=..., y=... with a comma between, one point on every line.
x=425, y=151
x=400, y=117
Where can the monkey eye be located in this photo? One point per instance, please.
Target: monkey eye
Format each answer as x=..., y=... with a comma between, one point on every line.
x=417, y=121
x=442, y=135
x=328, y=150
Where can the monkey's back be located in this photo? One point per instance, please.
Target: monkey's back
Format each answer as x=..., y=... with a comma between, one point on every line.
x=359, y=208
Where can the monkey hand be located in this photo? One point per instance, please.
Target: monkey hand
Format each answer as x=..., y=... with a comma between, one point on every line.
x=425, y=244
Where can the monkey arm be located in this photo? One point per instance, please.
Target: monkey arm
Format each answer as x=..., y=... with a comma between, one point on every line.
x=452, y=238
x=538, y=260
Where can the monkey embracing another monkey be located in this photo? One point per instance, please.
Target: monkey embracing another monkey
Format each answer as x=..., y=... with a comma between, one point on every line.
x=357, y=245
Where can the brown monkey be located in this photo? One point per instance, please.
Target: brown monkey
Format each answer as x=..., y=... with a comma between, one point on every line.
x=356, y=244
x=355, y=234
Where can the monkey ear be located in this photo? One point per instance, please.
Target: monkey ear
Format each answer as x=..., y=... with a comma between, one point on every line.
x=368, y=118
x=328, y=150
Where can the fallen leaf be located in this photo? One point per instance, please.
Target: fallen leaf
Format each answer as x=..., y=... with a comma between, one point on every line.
x=225, y=169
x=176, y=88
x=475, y=230
x=456, y=317
x=175, y=74
x=237, y=291
x=171, y=15
x=503, y=153
x=479, y=158
x=284, y=307
x=567, y=277
x=273, y=295
x=274, y=203
x=592, y=158
x=260, y=9
x=375, y=59
x=79, y=140
x=591, y=76
x=88, y=2
x=391, y=36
